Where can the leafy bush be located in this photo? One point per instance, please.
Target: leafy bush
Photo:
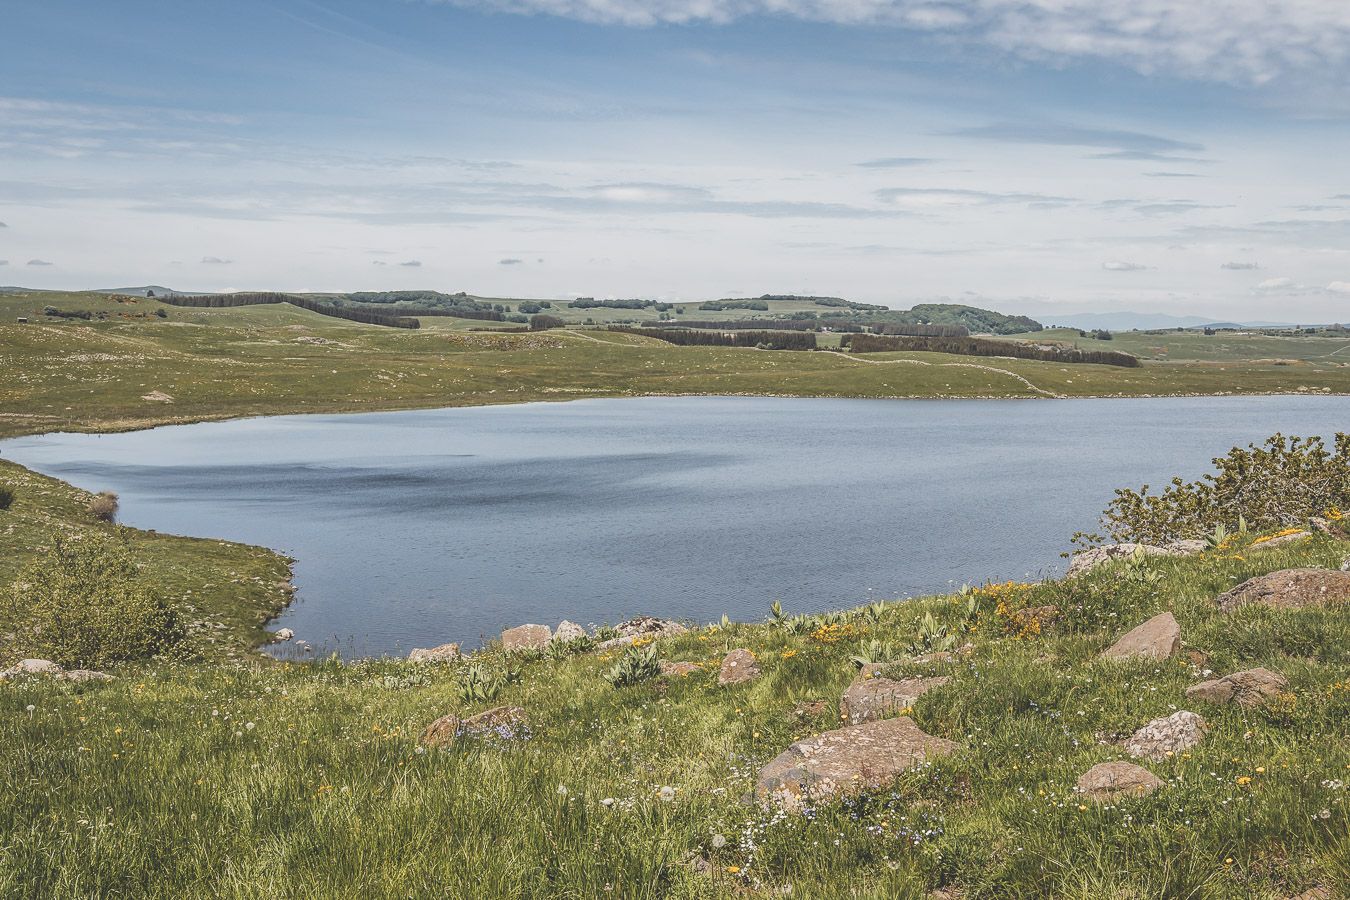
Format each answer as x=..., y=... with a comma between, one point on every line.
x=86, y=603
x=1282, y=483
x=6, y=497
x=477, y=685
x=103, y=506
x=637, y=664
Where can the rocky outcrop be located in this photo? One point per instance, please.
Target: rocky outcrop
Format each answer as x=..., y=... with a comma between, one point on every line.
x=568, y=631
x=679, y=669
x=1289, y=589
x=526, y=637
x=870, y=697
x=643, y=626
x=1158, y=638
x=28, y=668
x=505, y=722
x=443, y=654
x=1279, y=540
x=1086, y=560
x=1249, y=688
x=1109, y=780
x=847, y=761
x=1167, y=736
x=738, y=667
x=1186, y=547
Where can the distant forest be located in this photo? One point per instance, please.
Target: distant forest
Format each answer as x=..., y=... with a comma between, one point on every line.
x=765, y=340
x=969, y=346
x=221, y=301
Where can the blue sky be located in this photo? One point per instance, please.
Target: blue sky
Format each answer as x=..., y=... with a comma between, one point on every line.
x=1030, y=155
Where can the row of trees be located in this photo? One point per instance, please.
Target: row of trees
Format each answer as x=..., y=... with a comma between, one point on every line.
x=221, y=301
x=969, y=346
x=920, y=330
x=765, y=340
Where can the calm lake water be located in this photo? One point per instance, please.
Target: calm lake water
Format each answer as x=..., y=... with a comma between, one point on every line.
x=415, y=528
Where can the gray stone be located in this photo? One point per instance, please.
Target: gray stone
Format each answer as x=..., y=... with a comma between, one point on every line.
x=1108, y=780
x=443, y=654
x=26, y=667
x=643, y=626
x=1086, y=560
x=503, y=721
x=1249, y=688
x=1158, y=638
x=679, y=669
x=281, y=635
x=568, y=631
x=526, y=637
x=83, y=676
x=1289, y=589
x=1268, y=543
x=1187, y=547
x=1170, y=735
x=738, y=667
x=871, y=697
x=848, y=760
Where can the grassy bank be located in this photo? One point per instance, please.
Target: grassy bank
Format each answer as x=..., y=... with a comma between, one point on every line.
x=134, y=369
x=306, y=781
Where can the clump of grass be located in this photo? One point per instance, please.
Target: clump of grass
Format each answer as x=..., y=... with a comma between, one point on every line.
x=103, y=506
x=638, y=664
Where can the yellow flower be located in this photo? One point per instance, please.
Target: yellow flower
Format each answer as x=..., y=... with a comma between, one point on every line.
x=1244, y=780
x=732, y=870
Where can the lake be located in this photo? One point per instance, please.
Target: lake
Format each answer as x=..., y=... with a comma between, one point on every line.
x=416, y=528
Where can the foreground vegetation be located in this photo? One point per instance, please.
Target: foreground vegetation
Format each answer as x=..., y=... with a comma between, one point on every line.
x=128, y=366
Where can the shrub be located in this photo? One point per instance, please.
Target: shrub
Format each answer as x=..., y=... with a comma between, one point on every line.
x=6, y=497
x=542, y=322
x=477, y=685
x=86, y=603
x=103, y=506
x=637, y=664
x=1282, y=483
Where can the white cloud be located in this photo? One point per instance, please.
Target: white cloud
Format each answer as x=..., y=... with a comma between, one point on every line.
x=216, y=261
x=1118, y=265
x=1280, y=285
x=1339, y=287
x=40, y=262
x=1244, y=40
x=411, y=264
x=1239, y=266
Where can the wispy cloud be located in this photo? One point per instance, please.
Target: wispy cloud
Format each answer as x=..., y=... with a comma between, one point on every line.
x=1339, y=287
x=216, y=261
x=1059, y=134
x=510, y=262
x=411, y=263
x=1119, y=265
x=938, y=198
x=895, y=162
x=1239, y=266
x=40, y=262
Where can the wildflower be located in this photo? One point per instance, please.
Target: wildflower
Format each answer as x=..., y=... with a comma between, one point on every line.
x=1244, y=780
x=1228, y=861
x=420, y=750
x=30, y=707
x=732, y=870
x=248, y=725
x=562, y=790
x=667, y=793
x=1260, y=770
x=719, y=841
x=607, y=802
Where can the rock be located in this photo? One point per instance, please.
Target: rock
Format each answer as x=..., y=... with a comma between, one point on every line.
x=1313, y=893
x=1084, y=560
x=1186, y=547
x=1279, y=540
x=281, y=635
x=526, y=637
x=847, y=760
x=1322, y=526
x=934, y=658
x=643, y=626
x=157, y=397
x=1197, y=658
x=26, y=667
x=738, y=667
x=1180, y=731
x=1252, y=687
x=568, y=631
x=1108, y=780
x=812, y=709
x=870, y=698
x=1289, y=589
x=83, y=676
x=443, y=654
x=679, y=669
x=506, y=722
x=1158, y=638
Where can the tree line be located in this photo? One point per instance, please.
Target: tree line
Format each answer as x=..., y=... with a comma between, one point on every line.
x=969, y=346
x=765, y=340
x=222, y=301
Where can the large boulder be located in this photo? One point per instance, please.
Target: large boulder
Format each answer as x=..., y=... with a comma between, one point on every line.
x=504, y=722
x=848, y=760
x=1289, y=589
x=1166, y=736
x=1251, y=687
x=1108, y=780
x=1158, y=638
x=568, y=631
x=871, y=697
x=1086, y=560
x=1279, y=540
x=526, y=637
x=641, y=627
x=738, y=666
x=443, y=654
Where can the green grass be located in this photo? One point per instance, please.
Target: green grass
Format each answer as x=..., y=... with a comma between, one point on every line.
x=263, y=360
x=306, y=780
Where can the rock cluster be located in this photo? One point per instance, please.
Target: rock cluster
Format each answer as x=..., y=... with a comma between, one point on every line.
x=643, y=626
x=1086, y=560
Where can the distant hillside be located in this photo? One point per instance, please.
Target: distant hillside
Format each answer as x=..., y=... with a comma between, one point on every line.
x=979, y=321
x=1126, y=321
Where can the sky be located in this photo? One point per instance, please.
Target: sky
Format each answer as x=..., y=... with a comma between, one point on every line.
x=1034, y=156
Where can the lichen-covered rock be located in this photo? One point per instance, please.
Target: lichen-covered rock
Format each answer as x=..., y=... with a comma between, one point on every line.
x=1251, y=687
x=442, y=654
x=526, y=637
x=1279, y=540
x=738, y=667
x=1108, y=780
x=847, y=760
x=679, y=669
x=1187, y=547
x=568, y=631
x=83, y=676
x=1289, y=589
x=1169, y=735
x=1158, y=638
x=31, y=667
x=872, y=697
x=504, y=722
x=1086, y=560
x=643, y=626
